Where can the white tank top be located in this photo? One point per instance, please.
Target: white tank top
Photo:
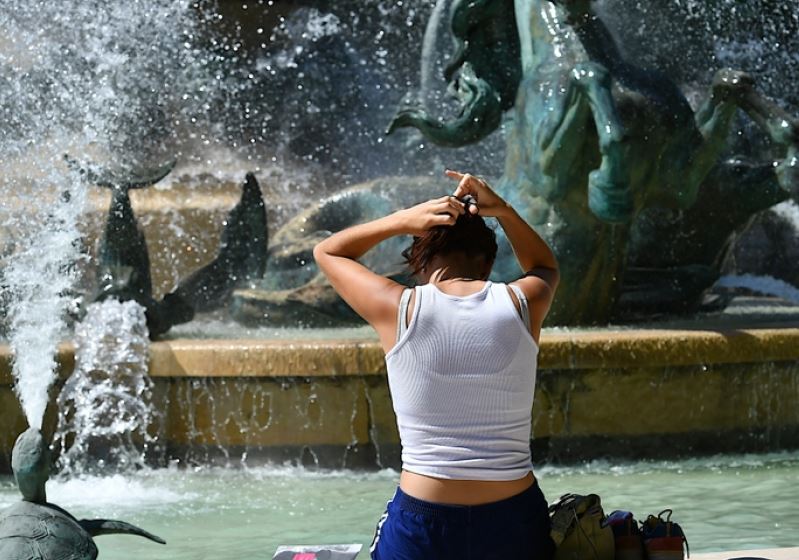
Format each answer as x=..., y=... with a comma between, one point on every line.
x=462, y=380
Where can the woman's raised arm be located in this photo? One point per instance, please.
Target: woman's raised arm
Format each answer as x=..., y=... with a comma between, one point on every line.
x=372, y=296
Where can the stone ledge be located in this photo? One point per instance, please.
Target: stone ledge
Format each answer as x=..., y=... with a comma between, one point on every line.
x=583, y=350
x=664, y=347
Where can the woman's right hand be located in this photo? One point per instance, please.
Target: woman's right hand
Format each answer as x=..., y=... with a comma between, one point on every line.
x=443, y=211
x=489, y=203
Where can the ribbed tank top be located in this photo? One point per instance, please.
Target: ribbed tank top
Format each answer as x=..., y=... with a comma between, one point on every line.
x=462, y=381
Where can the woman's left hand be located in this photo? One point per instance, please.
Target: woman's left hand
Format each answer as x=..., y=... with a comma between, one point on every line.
x=443, y=211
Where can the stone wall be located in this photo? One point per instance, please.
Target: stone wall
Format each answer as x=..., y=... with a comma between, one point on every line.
x=632, y=394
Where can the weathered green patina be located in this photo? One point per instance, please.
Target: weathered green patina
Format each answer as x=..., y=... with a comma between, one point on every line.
x=36, y=529
x=607, y=160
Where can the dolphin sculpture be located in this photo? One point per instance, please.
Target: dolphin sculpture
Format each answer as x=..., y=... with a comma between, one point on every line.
x=124, y=263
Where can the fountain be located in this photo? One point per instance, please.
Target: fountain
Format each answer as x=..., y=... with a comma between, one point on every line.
x=267, y=87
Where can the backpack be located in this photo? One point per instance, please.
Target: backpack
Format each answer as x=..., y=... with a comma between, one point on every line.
x=663, y=538
x=627, y=535
x=579, y=530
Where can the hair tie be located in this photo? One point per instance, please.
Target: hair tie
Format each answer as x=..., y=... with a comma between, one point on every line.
x=468, y=200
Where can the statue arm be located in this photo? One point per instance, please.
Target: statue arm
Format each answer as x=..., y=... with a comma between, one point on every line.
x=484, y=74
x=480, y=115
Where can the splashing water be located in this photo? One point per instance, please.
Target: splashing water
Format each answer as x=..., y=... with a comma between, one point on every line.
x=789, y=210
x=104, y=408
x=133, y=84
x=38, y=277
x=114, y=82
x=691, y=39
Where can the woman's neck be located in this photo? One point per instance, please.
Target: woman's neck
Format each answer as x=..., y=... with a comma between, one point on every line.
x=456, y=284
x=455, y=267
x=444, y=276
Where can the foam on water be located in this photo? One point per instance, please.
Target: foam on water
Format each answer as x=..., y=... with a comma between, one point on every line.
x=113, y=491
x=714, y=463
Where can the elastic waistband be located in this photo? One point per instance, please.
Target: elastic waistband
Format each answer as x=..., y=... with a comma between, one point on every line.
x=454, y=512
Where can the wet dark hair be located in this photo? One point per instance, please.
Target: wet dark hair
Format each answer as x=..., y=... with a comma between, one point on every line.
x=469, y=235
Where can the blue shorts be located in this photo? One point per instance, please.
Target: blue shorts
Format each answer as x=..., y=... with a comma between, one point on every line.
x=515, y=528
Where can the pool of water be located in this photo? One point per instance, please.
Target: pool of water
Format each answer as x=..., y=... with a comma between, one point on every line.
x=722, y=503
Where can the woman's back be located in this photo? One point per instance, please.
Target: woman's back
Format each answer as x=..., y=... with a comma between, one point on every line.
x=462, y=377
x=462, y=380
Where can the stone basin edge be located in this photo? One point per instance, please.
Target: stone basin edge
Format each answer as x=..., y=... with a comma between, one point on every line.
x=572, y=351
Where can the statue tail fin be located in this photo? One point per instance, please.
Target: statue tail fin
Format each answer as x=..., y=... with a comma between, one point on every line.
x=242, y=257
x=123, y=178
x=96, y=527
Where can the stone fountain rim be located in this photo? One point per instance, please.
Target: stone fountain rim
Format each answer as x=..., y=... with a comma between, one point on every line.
x=606, y=349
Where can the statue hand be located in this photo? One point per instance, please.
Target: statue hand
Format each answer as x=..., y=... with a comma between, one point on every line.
x=489, y=203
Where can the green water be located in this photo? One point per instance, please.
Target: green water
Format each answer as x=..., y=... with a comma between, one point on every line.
x=724, y=503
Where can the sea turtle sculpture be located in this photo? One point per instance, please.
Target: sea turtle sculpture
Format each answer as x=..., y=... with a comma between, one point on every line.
x=293, y=292
x=607, y=160
x=35, y=529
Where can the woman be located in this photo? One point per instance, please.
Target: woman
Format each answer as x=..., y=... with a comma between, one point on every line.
x=461, y=359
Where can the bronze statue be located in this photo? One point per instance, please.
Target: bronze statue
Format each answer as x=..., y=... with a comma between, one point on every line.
x=596, y=142
x=124, y=264
x=606, y=159
x=36, y=529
